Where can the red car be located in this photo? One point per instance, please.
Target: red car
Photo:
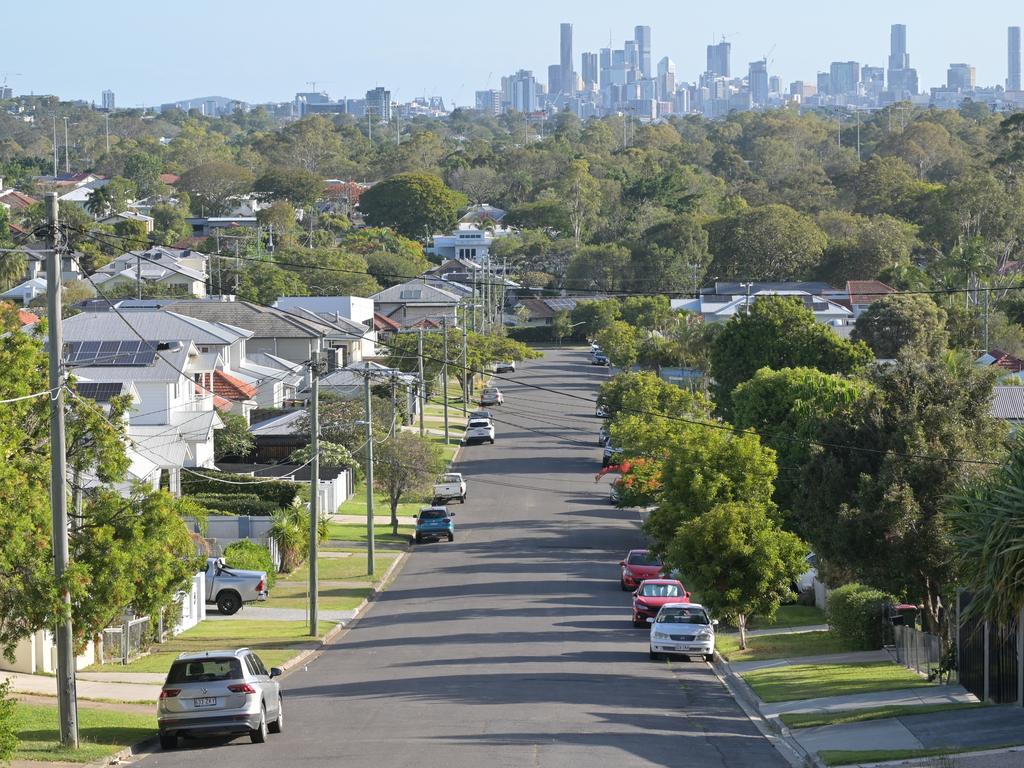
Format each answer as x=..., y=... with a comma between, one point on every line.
x=639, y=564
x=653, y=594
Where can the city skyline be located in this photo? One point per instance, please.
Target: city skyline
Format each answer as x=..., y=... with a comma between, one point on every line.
x=347, y=52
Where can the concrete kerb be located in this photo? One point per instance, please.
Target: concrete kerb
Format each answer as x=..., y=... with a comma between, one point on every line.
x=956, y=759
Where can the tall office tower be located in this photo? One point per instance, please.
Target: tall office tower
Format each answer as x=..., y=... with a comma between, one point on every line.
x=873, y=79
x=824, y=83
x=844, y=77
x=718, y=59
x=568, y=84
x=960, y=77
x=642, y=35
x=378, y=104
x=759, y=83
x=1013, y=68
x=108, y=101
x=902, y=78
x=632, y=54
x=554, y=79
x=589, y=70
x=522, y=91
x=666, y=79
x=604, y=62
x=489, y=102
x=775, y=84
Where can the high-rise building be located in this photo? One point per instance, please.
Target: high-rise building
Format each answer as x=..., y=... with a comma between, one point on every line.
x=824, y=83
x=844, y=78
x=568, y=82
x=642, y=35
x=666, y=79
x=521, y=91
x=6, y=92
x=1013, y=56
x=902, y=78
x=590, y=71
x=718, y=59
x=960, y=77
x=108, y=101
x=758, y=79
x=873, y=80
x=378, y=104
x=488, y=102
x=775, y=84
x=555, y=80
x=604, y=64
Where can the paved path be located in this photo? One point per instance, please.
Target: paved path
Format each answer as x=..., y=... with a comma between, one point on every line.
x=87, y=688
x=939, y=694
x=511, y=646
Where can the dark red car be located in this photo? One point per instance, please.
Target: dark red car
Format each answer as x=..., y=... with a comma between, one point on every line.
x=639, y=564
x=654, y=593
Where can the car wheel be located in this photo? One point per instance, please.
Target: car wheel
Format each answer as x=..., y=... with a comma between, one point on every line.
x=654, y=656
x=229, y=603
x=709, y=657
x=463, y=499
x=168, y=740
x=419, y=539
x=258, y=735
x=622, y=584
x=492, y=441
x=639, y=622
x=451, y=537
x=278, y=725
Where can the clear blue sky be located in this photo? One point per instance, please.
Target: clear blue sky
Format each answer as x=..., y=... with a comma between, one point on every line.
x=260, y=50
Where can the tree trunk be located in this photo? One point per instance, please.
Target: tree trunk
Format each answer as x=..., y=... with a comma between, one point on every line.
x=741, y=622
x=394, y=515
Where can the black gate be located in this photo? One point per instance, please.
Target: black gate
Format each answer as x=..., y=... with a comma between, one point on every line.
x=999, y=667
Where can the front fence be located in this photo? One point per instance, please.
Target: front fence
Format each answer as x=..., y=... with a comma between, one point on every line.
x=919, y=651
x=990, y=658
x=125, y=643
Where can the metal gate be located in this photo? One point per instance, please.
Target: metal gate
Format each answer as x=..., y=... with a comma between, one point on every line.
x=989, y=657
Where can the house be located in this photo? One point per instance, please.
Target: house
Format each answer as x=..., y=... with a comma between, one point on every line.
x=182, y=272
x=205, y=226
x=416, y=300
x=350, y=382
x=384, y=325
x=354, y=313
x=15, y=201
x=25, y=292
x=467, y=241
x=1012, y=366
x=1008, y=405
x=482, y=213
x=35, y=265
x=861, y=294
x=542, y=311
x=135, y=216
x=721, y=302
x=79, y=193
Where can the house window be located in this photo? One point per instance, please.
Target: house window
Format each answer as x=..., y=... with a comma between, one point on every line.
x=412, y=294
x=204, y=349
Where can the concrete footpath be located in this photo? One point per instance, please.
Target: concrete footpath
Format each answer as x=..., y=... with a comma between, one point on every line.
x=94, y=686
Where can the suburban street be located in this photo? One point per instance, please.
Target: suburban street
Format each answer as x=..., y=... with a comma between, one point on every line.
x=511, y=646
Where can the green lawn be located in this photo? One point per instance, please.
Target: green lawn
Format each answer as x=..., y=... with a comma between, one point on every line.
x=844, y=757
x=790, y=645
x=381, y=505
x=791, y=616
x=101, y=732
x=330, y=598
x=356, y=532
x=274, y=641
x=812, y=681
x=816, y=719
x=340, y=569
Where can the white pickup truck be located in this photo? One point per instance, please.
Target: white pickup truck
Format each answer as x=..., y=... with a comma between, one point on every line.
x=451, y=487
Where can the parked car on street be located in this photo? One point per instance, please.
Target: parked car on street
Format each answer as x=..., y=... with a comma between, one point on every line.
x=434, y=524
x=601, y=411
x=491, y=396
x=481, y=413
x=230, y=588
x=479, y=431
x=610, y=454
x=451, y=487
x=603, y=436
x=508, y=366
x=654, y=593
x=638, y=565
x=683, y=629
x=599, y=358
x=216, y=692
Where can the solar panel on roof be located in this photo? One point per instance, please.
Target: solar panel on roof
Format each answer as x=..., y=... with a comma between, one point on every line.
x=111, y=353
x=100, y=391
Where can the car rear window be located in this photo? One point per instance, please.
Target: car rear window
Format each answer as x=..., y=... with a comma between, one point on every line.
x=479, y=424
x=432, y=514
x=642, y=558
x=205, y=671
x=660, y=590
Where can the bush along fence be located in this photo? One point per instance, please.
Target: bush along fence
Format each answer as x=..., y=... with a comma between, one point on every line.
x=990, y=658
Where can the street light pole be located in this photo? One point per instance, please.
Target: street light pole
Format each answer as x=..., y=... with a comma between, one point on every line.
x=314, y=489
x=369, y=475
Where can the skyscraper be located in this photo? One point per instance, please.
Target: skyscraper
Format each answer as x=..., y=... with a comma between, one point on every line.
x=108, y=101
x=718, y=59
x=589, y=70
x=488, y=102
x=378, y=104
x=666, y=78
x=642, y=35
x=554, y=80
x=522, y=91
x=1013, y=69
x=568, y=74
x=902, y=78
x=960, y=77
x=759, y=82
x=844, y=77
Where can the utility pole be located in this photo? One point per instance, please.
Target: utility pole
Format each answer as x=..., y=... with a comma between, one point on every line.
x=858, y=134
x=67, y=148
x=369, y=474
x=746, y=302
x=444, y=375
x=988, y=292
x=314, y=490
x=106, y=119
x=465, y=364
x=138, y=276
x=67, y=699
x=238, y=267
x=423, y=384
x=55, y=146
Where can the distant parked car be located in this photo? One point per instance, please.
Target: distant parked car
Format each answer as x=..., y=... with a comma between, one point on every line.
x=491, y=396
x=602, y=436
x=600, y=358
x=639, y=565
x=601, y=411
x=434, y=524
x=509, y=366
x=479, y=431
x=219, y=692
x=610, y=454
x=230, y=588
x=451, y=487
x=684, y=630
x=654, y=593
x=481, y=413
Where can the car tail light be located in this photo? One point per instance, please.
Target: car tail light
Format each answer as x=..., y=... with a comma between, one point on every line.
x=169, y=693
x=241, y=688
x=259, y=587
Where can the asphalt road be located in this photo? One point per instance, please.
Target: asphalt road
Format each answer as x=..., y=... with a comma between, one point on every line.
x=511, y=646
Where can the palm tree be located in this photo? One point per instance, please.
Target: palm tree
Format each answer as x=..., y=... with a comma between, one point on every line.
x=98, y=202
x=12, y=268
x=290, y=532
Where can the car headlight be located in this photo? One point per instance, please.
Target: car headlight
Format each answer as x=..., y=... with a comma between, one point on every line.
x=705, y=634
x=660, y=636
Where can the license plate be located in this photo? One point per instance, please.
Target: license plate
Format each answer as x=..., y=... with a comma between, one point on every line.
x=208, y=702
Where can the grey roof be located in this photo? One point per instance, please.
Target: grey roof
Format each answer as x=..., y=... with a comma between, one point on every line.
x=286, y=424
x=1008, y=403
x=166, y=366
x=340, y=323
x=739, y=289
x=416, y=292
x=264, y=322
x=153, y=324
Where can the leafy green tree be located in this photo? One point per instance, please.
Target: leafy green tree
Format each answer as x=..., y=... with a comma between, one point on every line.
x=280, y=215
x=652, y=313
x=561, y=325
x=903, y=323
x=580, y=191
x=169, y=224
x=548, y=213
x=290, y=531
x=266, y=282
x=595, y=316
x=600, y=267
x=860, y=248
x=368, y=240
x=8, y=734
x=773, y=242
x=392, y=268
x=739, y=559
x=481, y=349
x=295, y=185
x=406, y=464
x=414, y=204
x=143, y=169
x=778, y=333
x=328, y=271
x=645, y=394
x=621, y=343
x=235, y=439
x=672, y=256
x=133, y=233
x=211, y=185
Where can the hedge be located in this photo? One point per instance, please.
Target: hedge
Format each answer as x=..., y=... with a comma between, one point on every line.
x=529, y=334
x=856, y=612
x=250, y=556
x=281, y=492
x=236, y=504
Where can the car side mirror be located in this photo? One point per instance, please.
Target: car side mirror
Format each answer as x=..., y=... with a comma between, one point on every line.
x=415, y=517
x=451, y=514
x=276, y=672
x=650, y=620
x=714, y=622
x=622, y=563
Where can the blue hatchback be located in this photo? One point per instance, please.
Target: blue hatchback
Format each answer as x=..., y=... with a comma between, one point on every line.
x=434, y=524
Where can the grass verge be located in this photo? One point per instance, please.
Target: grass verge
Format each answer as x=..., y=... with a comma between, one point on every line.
x=329, y=598
x=274, y=641
x=817, y=719
x=339, y=569
x=102, y=732
x=795, y=645
x=356, y=532
x=791, y=616
x=813, y=681
x=847, y=757
x=381, y=505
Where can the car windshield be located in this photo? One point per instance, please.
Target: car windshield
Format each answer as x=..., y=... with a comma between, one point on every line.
x=204, y=671
x=661, y=590
x=683, y=616
x=479, y=424
x=490, y=391
x=642, y=558
x=432, y=514
x=452, y=478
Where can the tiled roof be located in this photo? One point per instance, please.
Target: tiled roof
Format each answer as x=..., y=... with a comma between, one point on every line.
x=425, y=323
x=227, y=386
x=1006, y=361
x=866, y=291
x=538, y=308
x=17, y=200
x=169, y=178
x=27, y=318
x=384, y=323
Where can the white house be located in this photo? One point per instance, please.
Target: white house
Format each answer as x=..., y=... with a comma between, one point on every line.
x=183, y=271
x=467, y=241
x=724, y=300
x=354, y=313
x=25, y=292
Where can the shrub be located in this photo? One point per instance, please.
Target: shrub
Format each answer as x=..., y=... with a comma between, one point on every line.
x=240, y=504
x=250, y=556
x=855, y=612
x=281, y=492
x=8, y=736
